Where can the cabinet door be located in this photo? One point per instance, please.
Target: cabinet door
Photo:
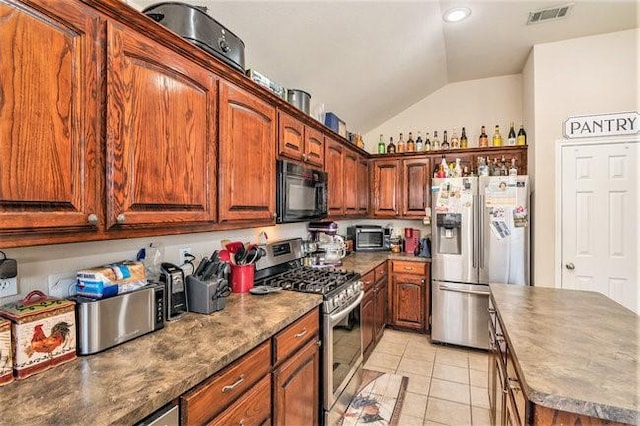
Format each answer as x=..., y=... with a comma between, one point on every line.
x=416, y=182
x=290, y=136
x=253, y=408
x=368, y=314
x=386, y=187
x=350, y=182
x=246, y=171
x=49, y=125
x=408, y=301
x=296, y=386
x=381, y=307
x=313, y=147
x=160, y=133
x=334, y=168
x=363, y=186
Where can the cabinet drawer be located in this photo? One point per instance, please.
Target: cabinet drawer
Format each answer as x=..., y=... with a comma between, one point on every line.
x=293, y=337
x=368, y=280
x=210, y=397
x=381, y=271
x=403, y=267
x=253, y=408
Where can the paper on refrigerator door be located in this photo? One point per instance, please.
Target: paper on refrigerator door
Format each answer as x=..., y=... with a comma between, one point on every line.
x=500, y=193
x=498, y=224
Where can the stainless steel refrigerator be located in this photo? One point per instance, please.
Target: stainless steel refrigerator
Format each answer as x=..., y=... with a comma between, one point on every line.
x=480, y=235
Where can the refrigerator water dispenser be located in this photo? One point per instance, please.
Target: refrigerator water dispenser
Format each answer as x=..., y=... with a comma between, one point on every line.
x=449, y=233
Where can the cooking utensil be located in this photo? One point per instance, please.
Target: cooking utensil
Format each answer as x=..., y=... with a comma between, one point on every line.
x=240, y=255
x=224, y=256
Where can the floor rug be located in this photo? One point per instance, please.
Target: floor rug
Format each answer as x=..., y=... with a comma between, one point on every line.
x=378, y=401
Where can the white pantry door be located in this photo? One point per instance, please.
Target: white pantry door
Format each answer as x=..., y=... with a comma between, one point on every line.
x=599, y=214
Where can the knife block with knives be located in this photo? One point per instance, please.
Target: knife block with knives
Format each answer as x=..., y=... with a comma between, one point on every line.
x=208, y=286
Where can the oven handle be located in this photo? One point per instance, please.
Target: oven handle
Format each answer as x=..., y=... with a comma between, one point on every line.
x=337, y=317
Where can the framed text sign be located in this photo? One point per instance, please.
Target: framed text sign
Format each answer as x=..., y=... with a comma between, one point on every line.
x=616, y=124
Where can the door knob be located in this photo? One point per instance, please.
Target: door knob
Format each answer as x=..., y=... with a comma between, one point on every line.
x=570, y=266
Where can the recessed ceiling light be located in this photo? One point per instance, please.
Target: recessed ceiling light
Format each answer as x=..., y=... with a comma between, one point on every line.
x=456, y=14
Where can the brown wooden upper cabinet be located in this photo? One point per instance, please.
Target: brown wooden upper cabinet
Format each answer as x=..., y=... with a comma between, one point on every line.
x=161, y=134
x=363, y=186
x=49, y=126
x=350, y=182
x=299, y=142
x=416, y=182
x=386, y=188
x=246, y=175
x=334, y=168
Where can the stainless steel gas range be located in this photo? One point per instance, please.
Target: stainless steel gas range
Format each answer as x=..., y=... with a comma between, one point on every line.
x=342, y=292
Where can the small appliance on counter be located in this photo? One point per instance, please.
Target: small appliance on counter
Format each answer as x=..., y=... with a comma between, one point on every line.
x=330, y=247
x=195, y=25
x=370, y=237
x=172, y=277
x=411, y=241
x=104, y=323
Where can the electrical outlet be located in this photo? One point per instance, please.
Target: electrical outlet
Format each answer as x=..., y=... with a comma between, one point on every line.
x=8, y=286
x=62, y=285
x=183, y=255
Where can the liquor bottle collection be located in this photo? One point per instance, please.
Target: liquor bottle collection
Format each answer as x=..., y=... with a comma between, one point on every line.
x=484, y=167
x=427, y=144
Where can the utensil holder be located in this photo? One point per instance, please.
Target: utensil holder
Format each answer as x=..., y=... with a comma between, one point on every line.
x=242, y=278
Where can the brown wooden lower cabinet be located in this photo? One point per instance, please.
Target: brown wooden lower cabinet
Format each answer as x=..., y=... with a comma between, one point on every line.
x=296, y=385
x=373, y=309
x=279, y=380
x=253, y=408
x=409, y=295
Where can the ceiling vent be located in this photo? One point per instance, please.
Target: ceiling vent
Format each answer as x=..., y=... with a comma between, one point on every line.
x=549, y=14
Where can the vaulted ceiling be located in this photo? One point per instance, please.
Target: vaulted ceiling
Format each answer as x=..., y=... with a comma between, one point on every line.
x=369, y=60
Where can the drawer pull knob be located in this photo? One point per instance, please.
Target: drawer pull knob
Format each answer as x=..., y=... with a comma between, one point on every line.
x=229, y=388
x=92, y=219
x=408, y=268
x=299, y=335
x=121, y=218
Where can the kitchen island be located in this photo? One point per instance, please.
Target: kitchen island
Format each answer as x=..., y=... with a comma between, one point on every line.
x=125, y=384
x=575, y=353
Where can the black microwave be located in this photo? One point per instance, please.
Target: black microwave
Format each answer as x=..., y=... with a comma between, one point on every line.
x=370, y=237
x=301, y=193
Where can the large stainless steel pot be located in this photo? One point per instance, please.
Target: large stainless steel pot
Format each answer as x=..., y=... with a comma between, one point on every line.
x=299, y=99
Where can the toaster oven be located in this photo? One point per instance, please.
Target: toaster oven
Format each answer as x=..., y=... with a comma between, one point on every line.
x=370, y=237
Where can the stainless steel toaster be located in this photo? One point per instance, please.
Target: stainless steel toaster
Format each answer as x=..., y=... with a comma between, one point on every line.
x=104, y=323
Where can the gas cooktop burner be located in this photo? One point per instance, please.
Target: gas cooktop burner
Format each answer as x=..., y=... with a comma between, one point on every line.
x=311, y=280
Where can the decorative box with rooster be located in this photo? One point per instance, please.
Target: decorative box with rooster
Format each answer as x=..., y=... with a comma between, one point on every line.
x=43, y=333
x=6, y=363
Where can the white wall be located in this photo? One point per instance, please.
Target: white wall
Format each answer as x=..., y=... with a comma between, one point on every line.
x=37, y=264
x=470, y=104
x=588, y=75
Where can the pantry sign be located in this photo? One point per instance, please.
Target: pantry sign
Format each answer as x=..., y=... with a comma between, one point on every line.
x=617, y=124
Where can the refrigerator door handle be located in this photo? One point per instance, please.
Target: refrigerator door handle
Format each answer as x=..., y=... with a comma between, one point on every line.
x=474, y=220
x=457, y=290
x=481, y=226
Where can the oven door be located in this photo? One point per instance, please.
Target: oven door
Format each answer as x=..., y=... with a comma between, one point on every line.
x=342, y=349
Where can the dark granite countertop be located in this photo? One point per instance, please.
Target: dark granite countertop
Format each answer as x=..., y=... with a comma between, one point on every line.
x=363, y=262
x=576, y=351
x=127, y=383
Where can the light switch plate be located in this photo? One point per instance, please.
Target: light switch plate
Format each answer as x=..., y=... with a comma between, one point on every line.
x=8, y=286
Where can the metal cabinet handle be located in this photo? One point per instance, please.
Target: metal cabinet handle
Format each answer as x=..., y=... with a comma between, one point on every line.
x=92, y=219
x=570, y=266
x=121, y=218
x=230, y=387
x=299, y=335
x=408, y=268
x=304, y=157
x=275, y=215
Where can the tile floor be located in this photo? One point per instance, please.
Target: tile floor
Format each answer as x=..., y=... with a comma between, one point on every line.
x=447, y=385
